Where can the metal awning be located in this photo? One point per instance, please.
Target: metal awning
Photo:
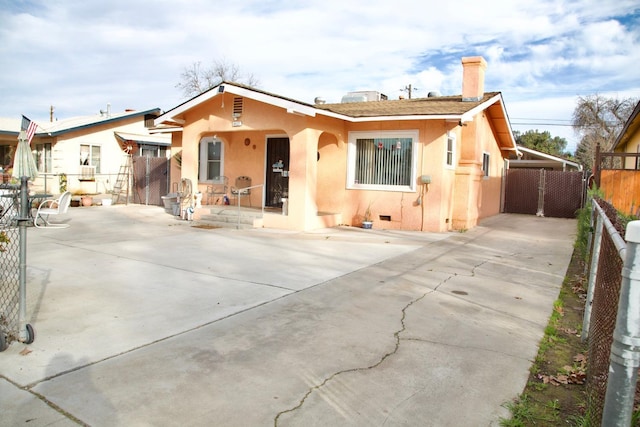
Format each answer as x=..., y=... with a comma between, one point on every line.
x=156, y=139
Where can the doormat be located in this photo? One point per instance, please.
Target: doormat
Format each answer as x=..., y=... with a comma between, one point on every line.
x=205, y=226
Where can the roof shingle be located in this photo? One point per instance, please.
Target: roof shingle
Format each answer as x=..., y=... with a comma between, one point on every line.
x=441, y=105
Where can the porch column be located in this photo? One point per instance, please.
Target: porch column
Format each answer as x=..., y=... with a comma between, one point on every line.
x=468, y=176
x=190, y=148
x=303, y=176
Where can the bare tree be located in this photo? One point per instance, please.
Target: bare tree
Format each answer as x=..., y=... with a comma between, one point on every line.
x=197, y=79
x=599, y=120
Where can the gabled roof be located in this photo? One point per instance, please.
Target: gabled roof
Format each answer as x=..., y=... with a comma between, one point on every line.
x=631, y=127
x=432, y=108
x=174, y=116
x=12, y=126
x=535, y=158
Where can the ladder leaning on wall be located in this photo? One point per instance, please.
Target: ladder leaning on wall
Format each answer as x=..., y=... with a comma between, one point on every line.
x=123, y=180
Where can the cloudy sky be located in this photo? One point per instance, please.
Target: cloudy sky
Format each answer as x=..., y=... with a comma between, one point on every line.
x=79, y=55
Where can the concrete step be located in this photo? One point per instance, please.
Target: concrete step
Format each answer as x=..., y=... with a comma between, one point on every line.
x=229, y=217
x=217, y=224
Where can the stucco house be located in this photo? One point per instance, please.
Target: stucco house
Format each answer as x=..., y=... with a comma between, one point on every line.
x=629, y=139
x=87, y=150
x=431, y=164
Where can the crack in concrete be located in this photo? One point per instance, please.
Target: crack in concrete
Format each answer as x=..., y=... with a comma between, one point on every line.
x=46, y=401
x=396, y=336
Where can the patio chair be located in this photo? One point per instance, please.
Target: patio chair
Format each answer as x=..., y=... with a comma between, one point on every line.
x=217, y=190
x=52, y=207
x=240, y=189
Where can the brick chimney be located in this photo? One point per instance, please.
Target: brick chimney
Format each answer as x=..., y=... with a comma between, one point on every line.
x=473, y=68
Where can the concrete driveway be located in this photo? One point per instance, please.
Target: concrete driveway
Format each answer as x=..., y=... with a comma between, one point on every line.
x=142, y=319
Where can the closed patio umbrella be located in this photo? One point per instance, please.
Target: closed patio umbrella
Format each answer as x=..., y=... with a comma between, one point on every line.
x=24, y=164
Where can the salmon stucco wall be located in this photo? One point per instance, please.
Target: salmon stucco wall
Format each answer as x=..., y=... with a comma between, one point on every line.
x=424, y=208
x=491, y=186
x=477, y=195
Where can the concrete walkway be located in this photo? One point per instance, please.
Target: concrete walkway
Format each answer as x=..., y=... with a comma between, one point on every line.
x=142, y=319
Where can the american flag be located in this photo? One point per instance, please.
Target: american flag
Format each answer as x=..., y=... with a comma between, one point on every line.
x=29, y=127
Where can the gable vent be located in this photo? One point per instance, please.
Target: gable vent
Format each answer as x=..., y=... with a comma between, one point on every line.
x=237, y=107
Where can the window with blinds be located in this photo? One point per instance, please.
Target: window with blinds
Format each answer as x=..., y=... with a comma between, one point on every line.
x=383, y=160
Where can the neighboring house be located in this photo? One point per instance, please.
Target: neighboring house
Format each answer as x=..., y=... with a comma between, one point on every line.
x=532, y=159
x=88, y=150
x=629, y=139
x=431, y=164
x=618, y=173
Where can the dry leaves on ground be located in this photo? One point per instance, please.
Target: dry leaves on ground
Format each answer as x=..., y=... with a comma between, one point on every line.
x=575, y=374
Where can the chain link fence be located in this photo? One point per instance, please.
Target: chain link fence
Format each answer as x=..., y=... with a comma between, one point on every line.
x=9, y=266
x=601, y=311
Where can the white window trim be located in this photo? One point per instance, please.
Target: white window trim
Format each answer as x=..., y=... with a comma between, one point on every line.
x=351, y=158
x=90, y=158
x=450, y=136
x=202, y=167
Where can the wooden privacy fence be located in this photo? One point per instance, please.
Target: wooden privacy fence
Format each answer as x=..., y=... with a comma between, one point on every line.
x=618, y=176
x=150, y=179
x=622, y=189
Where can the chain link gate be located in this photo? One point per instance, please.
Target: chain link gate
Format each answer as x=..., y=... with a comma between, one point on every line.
x=14, y=216
x=543, y=192
x=9, y=274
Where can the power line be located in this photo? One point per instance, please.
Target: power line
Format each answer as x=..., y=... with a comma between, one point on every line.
x=543, y=124
x=550, y=120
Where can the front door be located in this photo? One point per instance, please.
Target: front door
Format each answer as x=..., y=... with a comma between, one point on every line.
x=277, y=179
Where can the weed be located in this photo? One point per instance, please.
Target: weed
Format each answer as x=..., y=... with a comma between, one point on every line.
x=521, y=411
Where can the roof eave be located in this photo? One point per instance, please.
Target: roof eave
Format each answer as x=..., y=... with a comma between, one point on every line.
x=99, y=123
x=290, y=106
x=630, y=127
x=549, y=157
x=512, y=146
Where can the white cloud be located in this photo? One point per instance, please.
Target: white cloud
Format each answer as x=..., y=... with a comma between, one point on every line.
x=80, y=54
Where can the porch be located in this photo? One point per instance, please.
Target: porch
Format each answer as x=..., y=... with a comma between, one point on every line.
x=243, y=217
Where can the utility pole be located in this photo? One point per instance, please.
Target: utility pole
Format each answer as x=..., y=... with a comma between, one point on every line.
x=409, y=89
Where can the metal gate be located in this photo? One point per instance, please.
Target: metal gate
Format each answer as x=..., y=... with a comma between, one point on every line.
x=150, y=179
x=277, y=178
x=545, y=193
x=14, y=209
x=9, y=268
